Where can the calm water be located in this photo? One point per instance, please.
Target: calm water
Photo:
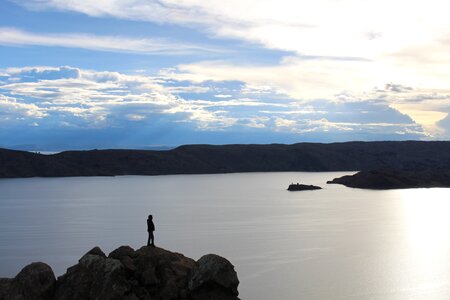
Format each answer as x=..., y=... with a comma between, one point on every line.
x=336, y=243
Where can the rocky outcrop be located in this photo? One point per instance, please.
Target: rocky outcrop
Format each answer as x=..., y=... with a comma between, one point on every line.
x=396, y=179
x=146, y=273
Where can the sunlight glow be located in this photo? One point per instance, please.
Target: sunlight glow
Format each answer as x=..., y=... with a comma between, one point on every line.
x=426, y=214
x=427, y=243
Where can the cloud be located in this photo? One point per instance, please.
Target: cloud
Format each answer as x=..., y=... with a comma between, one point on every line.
x=444, y=127
x=280, y=122
x=102, y=99
x=33, y=74
x=424, y=105
x=334, y=46
x=328, y=28
x=69, y=101
x=154, y=46
x=344, y=72
x=12, y=110
x=302, y=79
x=340, y=81
x=397, y=88
x=223, y=96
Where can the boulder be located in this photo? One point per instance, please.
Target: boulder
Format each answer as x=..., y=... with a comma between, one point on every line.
x=94, y=277
x=35, y=281
x=163, y=273
x=123, y=251
x=96, y=251
x=213, y=277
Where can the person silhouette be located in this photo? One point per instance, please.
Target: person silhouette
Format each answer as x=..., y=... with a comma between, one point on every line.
x=150, y=229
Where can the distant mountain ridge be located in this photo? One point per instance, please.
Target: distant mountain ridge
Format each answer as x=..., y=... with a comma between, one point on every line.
x=208, y=159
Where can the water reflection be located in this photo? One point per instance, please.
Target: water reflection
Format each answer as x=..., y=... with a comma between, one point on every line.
x=336, y=243
x=426, y=224
x=426, y=216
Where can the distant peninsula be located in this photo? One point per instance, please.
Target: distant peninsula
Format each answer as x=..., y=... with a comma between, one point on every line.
x=210, y=159
x=395, y=179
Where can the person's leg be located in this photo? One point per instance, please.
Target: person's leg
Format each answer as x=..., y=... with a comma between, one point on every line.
x=149, y=236
x=153, y=239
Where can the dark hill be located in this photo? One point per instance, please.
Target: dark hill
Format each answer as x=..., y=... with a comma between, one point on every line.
x=393, y=179
x=206, y=159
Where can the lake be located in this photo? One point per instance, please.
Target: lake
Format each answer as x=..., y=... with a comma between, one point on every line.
x=335, y=243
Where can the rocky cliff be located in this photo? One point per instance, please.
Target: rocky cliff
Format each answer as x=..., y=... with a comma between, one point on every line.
x=147, y=273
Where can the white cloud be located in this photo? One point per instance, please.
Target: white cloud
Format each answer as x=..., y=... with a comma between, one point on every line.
x=76, y=98
x=280, y=122
x=349, y=28
x=102, y=98
x=17, y=37
x=338, y=47
x=222, y=96
x=425, y=100
x=425, y=106
x=188, y=89
x=10, y=108
x=302, y=79
x=257, y=122
x=135, y=117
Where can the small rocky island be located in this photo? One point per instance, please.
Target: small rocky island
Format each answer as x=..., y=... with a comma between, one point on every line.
x=396, y=179
x=146, y=273
x=302, y=187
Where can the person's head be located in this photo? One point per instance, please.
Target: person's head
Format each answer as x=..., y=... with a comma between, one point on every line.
x=150, y=217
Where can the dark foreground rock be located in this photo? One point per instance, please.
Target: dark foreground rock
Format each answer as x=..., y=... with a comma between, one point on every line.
x=390, y=179
x=213, y=277
x=35, y=281
x=302, y=187
x=147, y=273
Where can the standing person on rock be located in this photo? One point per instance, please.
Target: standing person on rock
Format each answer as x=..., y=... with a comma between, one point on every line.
x=150, y=229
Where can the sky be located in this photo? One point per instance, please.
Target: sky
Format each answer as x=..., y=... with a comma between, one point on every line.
x=82, y=74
